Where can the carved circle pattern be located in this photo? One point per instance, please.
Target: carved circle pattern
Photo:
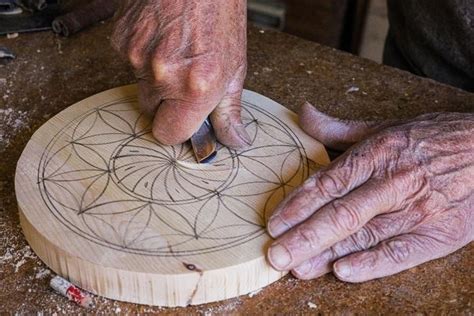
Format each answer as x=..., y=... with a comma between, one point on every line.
x=105, y=178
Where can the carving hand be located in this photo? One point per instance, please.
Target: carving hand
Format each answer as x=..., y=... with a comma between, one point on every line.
x=190, y=60
x=402, y=196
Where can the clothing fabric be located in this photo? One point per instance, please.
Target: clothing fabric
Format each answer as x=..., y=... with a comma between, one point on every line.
x=433, y=38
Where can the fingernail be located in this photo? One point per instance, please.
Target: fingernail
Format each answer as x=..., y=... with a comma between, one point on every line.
x=276, y=226
x=343, y=268
x=303, y=269
x=279, y=257
x=242, y=133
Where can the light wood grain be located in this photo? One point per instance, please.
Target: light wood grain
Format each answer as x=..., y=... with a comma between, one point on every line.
x=106, y=206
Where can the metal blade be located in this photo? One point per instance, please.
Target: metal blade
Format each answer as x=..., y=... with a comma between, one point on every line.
x=204, y=143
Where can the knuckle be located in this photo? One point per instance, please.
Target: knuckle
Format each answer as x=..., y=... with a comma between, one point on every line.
x=307, y=238
x=160, y=70
x=442, y=233
x=203, y=82
x=391, y=138
x=340, y=249
x=364, y=238
x=398, y=251
x=384, y=138
x=367, y=260
x=135, y=57
x=344, y=217
x=330, y=185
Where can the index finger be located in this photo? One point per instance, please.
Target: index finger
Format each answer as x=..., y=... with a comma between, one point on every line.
x=341, y=218
x=178, y=118
x=346, y=173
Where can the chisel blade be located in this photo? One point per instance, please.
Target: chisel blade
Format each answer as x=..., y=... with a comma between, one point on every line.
x=204, y=143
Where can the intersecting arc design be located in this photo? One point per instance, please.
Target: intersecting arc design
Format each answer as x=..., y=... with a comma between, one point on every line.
x=141, y=164
x=106, y=179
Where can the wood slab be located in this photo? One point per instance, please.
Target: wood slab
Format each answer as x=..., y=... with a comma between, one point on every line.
x=109, y=208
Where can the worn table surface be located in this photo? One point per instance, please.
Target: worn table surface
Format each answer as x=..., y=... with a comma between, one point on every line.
x=51, y=73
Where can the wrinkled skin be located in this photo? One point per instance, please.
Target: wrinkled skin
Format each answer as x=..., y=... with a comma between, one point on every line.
x=190, y=60
x=401, y=197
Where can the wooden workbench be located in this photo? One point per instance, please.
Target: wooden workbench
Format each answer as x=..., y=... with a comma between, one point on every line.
x=51, y=73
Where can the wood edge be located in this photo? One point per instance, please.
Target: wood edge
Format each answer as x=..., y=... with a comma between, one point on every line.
x=159, y=290
x=47, y=251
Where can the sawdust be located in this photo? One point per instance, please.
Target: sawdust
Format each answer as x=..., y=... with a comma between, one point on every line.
x=227, y=308
x=352, y=89
x=252, y=294
x=11, y=123
x=16, y=258
x=42, y=273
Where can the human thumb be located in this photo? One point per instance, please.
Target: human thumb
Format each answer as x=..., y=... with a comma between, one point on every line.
x=336, y=133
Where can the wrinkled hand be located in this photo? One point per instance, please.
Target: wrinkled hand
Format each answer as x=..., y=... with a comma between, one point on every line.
x=401, y=197
x=190, y=60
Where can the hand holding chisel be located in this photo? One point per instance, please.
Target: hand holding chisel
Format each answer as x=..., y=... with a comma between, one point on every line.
x=190, y=62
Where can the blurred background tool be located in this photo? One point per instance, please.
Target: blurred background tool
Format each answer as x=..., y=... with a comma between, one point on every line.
x=84, y=16
x=6, y=53
x=17, y=16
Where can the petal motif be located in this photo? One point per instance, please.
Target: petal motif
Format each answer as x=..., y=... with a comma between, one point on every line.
x=90, y=156
x=61, y=196
x=93, y=192
x=115, y=121
x=176, y=222
x=206, y=215
x=243, y=211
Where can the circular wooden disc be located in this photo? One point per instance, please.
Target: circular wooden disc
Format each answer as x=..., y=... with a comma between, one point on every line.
x=108, y=207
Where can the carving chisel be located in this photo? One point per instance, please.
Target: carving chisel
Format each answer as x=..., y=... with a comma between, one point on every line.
x=204, y=143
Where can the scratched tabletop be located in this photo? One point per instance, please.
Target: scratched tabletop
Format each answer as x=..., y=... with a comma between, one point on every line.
x=51, y=73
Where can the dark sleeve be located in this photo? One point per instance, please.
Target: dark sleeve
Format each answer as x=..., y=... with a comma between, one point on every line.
x=433, y=38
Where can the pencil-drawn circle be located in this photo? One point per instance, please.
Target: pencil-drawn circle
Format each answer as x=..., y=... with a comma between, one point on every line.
x=93, y=218
x=110, y=148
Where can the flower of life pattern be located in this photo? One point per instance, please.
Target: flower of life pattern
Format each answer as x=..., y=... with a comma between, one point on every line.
x=106, y=179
